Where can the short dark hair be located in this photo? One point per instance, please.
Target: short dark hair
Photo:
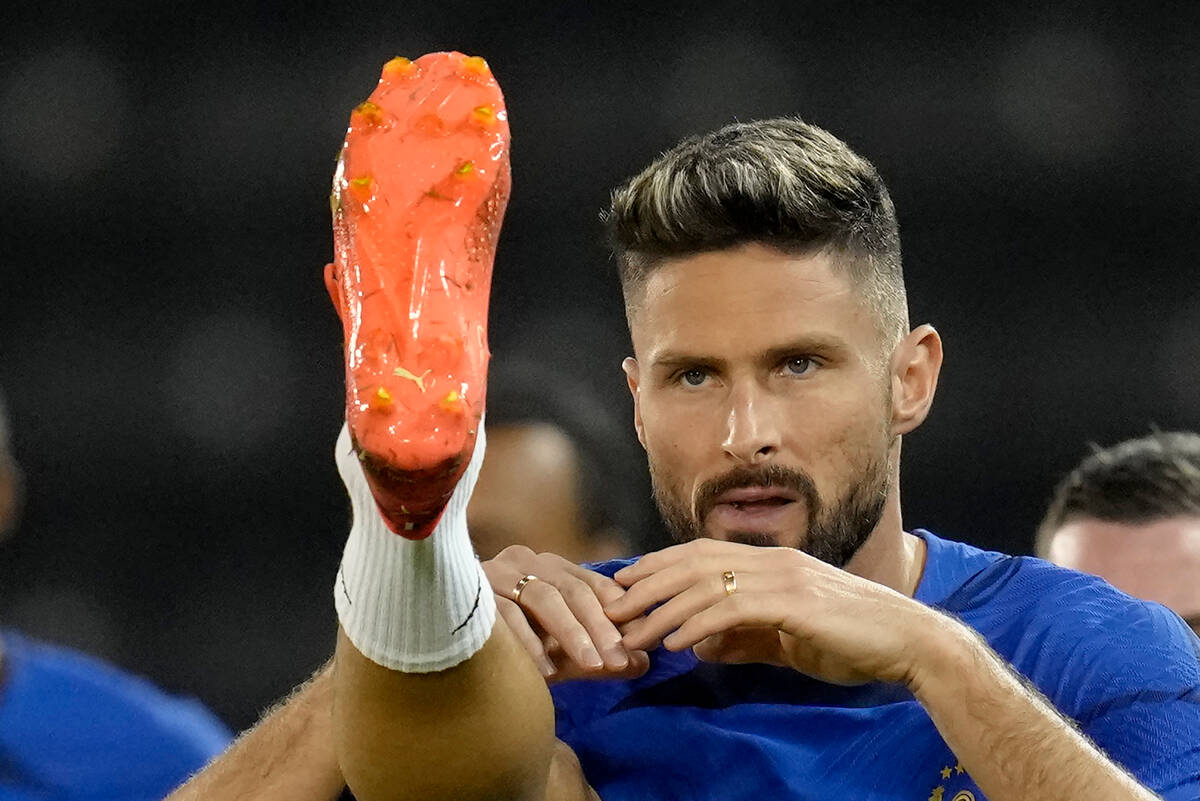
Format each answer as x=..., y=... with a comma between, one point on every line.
x=611, y=495
x=1136, y=481
x=779, y=182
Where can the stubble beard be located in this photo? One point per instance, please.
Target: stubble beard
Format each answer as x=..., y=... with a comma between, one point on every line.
x=836, y=531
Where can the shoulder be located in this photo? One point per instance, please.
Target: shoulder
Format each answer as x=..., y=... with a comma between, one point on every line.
x=75, y=713
x=1082, y=641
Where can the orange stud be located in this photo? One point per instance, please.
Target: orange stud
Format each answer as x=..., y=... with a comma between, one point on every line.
x=465, y=170
x=484, y=115
x=452, y=402
x=475, y=65
x=381, y=400
x=367, y=113
x=361, y=188
x=398, y=66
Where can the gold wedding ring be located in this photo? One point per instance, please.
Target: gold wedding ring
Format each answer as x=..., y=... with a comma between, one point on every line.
x=516, y=591
x=730, y=582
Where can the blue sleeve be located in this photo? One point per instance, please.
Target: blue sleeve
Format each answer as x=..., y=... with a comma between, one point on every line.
x=1127, y=671
x=1148, y=716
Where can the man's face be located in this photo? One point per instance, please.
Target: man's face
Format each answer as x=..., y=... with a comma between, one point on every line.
x=528, y=494
x=1157, y=561
x=762, y=397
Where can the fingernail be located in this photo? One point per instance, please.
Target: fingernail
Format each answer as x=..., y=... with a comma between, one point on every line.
x=592, y=657
x=617, y=657
x=546, y=667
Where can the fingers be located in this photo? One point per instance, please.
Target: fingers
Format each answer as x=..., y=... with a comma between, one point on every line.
x=732, y=612
x=565, y=603
x=649, y=631
x=652, y=589
x=525, y=634
x=651, y=563
x=606, y=590
x=741, y=646
x=639, y=663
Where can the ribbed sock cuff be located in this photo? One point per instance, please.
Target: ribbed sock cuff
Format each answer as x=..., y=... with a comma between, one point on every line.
x=412, y=606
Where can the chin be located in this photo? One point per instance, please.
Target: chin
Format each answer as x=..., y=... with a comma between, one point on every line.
x=761, y=539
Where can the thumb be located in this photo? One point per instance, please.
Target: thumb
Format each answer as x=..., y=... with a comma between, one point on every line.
x=741, y=646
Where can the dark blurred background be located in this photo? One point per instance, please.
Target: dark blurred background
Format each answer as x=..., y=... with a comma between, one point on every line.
x=173, y=364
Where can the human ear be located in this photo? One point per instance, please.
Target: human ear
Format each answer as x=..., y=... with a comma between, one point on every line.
x=916, y=363
x=630, y=366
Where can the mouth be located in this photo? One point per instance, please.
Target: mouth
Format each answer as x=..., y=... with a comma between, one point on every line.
x=756, y=497
x=755, y=509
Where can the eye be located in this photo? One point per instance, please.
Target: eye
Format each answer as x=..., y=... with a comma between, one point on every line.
x=799, y=365
x=693, y=378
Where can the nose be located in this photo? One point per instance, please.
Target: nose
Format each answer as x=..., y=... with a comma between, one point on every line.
x=752, y=431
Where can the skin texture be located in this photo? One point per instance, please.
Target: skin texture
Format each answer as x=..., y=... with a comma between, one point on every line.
x=288, y=756
x=1158, y=561
x=528, y=493
x=750, y=316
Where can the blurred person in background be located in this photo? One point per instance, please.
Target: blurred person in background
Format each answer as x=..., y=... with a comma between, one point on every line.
x=74, y=728
x=559, y=475
x=1130, y=514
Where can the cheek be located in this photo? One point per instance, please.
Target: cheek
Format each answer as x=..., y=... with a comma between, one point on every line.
x=837, y=440
x=675, y=444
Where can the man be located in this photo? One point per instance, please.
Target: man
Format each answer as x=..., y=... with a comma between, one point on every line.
x=73, y=728
x=1130, y=514
x=803, y=644
x=798, y=643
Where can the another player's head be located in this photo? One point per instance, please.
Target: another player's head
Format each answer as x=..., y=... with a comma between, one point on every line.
x=1131, y=515
x=10, y=479
x=774, y=369
x=557, y=475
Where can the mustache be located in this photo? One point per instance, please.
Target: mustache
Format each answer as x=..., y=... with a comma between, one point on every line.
x=768, y=475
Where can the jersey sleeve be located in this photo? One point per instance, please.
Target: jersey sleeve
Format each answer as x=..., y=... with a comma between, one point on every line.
x=1146, y=715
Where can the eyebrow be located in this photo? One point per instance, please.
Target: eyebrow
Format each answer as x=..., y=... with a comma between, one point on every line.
x=827, y=345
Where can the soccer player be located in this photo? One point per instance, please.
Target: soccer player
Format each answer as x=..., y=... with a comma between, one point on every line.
x=799, y=642
x=1130, y=514
x=73, y=728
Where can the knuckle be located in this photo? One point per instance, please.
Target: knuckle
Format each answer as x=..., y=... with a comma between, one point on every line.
x=514, y=553
x=575, y=591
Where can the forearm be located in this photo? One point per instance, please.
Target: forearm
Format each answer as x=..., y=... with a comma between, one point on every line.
x=288, y=755
x=1006, y=735
x=483, y=729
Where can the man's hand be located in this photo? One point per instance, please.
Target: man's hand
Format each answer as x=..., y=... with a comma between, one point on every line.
x=788, y=609
x=560, y=619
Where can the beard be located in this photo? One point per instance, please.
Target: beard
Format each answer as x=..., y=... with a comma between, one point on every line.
x=836, y=529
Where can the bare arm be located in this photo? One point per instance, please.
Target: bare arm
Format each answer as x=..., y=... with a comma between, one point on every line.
x=483, y=729
x=287, y=756
x=1006, y=735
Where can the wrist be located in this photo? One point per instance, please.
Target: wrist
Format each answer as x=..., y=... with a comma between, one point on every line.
x=945, y=651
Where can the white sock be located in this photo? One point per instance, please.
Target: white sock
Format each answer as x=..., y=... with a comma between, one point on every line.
x=413, y=606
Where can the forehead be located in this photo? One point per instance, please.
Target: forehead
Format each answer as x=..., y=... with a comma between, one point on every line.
x=748, y=297
x=1158, y=561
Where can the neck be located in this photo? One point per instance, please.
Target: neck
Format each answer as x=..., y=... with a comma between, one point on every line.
x=891, y=556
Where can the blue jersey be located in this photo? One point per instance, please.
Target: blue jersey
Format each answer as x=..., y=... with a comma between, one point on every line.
x=1126, y=670
x=73, y=728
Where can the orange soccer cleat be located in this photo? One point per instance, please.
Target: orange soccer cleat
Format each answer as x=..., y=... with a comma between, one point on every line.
x=418, y=197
